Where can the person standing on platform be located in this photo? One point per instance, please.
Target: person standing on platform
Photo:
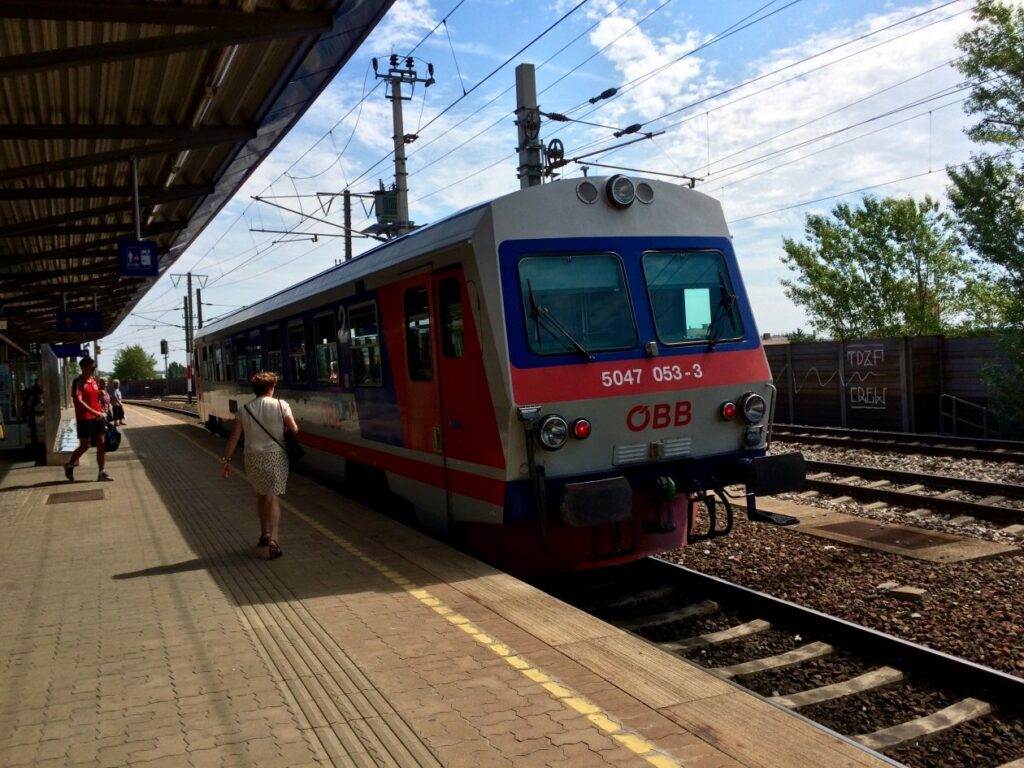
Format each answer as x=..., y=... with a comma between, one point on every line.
x=264, y=420
x=101, y=382
x=118, y=404
x=89, y=418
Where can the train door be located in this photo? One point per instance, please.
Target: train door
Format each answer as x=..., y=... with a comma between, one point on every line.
x=469, y=429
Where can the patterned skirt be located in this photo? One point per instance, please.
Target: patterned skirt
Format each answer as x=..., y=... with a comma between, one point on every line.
x=268, y=472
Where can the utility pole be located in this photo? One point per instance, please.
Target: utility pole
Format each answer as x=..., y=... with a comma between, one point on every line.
x=348, y=225
x=175, y=279
x=199, y=308
x=188, y=324
x=528, y=122
x=396, y=75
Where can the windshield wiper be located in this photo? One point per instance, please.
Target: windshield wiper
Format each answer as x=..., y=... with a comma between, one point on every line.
x=539, y=313
x=724, y=308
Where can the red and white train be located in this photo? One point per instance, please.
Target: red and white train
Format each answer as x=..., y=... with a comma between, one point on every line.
x=553, y=379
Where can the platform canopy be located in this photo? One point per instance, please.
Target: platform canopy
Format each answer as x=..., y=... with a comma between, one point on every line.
x=198, y=92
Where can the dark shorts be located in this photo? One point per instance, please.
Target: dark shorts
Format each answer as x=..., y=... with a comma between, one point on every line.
x=88, y=429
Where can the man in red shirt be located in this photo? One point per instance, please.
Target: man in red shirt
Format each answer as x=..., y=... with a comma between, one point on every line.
x=90, y=419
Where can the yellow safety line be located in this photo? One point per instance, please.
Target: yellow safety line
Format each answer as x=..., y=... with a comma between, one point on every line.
x=635, y=743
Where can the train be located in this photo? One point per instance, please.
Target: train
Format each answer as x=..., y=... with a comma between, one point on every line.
x=565, y=377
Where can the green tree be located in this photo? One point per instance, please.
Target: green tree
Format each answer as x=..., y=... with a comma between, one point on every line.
x=987, y=195
x=175, y=371
x=800, y=336
x=134, y=364
x=888, y=267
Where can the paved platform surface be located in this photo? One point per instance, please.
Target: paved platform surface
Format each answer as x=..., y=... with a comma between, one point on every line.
x=143, y=627
x=905, y=540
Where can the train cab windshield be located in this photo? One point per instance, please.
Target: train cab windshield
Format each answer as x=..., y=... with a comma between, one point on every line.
x=692, y=297
x=576, y=303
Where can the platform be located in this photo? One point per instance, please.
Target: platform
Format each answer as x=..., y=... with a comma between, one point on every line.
x=143, y=627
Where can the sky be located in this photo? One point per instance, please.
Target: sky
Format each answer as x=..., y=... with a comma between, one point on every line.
x=780, y=110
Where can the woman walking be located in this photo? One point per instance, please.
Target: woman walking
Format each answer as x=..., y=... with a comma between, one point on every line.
x=264, y=421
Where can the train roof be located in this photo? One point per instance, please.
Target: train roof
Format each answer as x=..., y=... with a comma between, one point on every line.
x=703, y=217
x=458, y=227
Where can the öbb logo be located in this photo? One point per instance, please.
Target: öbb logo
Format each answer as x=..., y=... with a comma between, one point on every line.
x=658, y=416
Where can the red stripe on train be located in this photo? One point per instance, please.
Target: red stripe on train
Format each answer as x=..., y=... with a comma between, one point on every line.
x=478, y=487
x=590, y=381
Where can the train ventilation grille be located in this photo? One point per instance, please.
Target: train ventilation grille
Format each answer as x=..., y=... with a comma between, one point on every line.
x=671, y=449
x=630, y=454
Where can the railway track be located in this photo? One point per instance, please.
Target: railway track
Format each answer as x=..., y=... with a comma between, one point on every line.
x=939, y=493
x=896, y=697
x=179, y=407
x=902, y=442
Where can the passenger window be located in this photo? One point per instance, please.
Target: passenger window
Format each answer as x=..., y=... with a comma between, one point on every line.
x=297, y=352
x=691, y=297
x=326, y=346
x=576, y=303
x=218, y=364
x=452, y=333
x=255, y=353
x=229, y=370
x=417, y=334
x=365, y=339
x=274, y=350
x=204, y=363
x=241, y=366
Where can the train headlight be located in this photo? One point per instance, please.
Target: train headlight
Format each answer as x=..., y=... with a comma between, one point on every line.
x=581, y=429
x=553, y=432
x=754, y=408
x=728, y=410
x=620, y=191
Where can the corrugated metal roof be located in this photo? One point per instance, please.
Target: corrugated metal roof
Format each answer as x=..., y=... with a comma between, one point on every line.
x=199, y=91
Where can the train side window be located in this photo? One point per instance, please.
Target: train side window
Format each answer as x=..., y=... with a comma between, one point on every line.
x=218, y=364
x=364, y=333
x=297, y=352
x=449, y=296
x=229, y=370
x=274, y=350
x=417, y=334
x=325, y=336
x=691, y=297
x=204, y=362
x=241, y=364
x=255, y=353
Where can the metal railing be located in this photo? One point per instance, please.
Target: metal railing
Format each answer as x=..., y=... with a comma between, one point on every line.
x=952, y=419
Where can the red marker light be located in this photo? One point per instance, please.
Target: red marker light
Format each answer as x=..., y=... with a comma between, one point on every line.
x=728, y=411
x=581, y=429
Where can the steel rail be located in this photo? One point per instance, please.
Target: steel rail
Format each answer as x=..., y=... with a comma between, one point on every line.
x=943, y=482
x=946, y=505
x=947, y=670
x=911, y=437
x=908, y=444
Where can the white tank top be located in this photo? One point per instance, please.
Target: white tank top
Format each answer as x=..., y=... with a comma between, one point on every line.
x=271, y=412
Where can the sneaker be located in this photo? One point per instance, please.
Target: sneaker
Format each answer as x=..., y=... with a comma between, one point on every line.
x=69, y=472
x=103, y=476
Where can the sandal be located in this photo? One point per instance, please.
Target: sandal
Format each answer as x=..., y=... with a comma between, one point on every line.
x=264, y=539
x=274, y=550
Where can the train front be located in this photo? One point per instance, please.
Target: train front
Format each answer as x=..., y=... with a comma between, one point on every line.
x=640, y=388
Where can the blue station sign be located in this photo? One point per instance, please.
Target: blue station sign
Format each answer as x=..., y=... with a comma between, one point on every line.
x=138, y=258
x=67, y=350
x=79, y=321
